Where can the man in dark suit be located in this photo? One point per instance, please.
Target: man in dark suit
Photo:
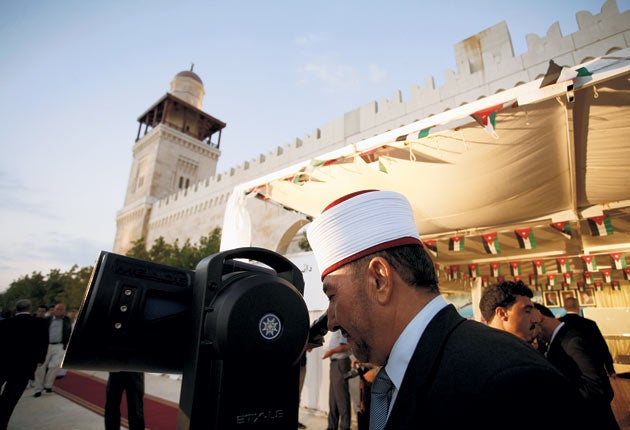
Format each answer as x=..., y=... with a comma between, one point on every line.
x=439, y=369
x=24, y=340
x=571, y=352
x=589, y=328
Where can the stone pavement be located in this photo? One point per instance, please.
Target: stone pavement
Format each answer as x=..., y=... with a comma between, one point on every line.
x=54, y=412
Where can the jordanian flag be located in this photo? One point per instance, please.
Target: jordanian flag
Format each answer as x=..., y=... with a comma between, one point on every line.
x=564, y=264
x=491, y=243
x=484, y=281
x=500, y=278
x=618, y=260
x=599, y=286
x=568, y=277
x=473, y=270
x=539, y=267
x=456, y=243
x=556, y=74
x=588, y=277
x=607, y=274
x=525, y=237
x=626, y=273
x=431, y=246
x=590, y=264
x=563, y=227
x=532, y=279
x=414, y=136
x=615, y=285
x=515, y=268
x=517, y=278
x=600, y=225
x=454, y=272
x=487, y=118
x=495, y=270
x=551, y=280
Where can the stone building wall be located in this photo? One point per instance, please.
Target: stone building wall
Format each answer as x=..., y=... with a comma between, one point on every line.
x=485, y=65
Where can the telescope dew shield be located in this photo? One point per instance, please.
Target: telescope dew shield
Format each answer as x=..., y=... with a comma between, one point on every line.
x=134, y=316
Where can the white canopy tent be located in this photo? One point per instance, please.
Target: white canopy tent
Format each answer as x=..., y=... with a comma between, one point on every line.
x=558, y=154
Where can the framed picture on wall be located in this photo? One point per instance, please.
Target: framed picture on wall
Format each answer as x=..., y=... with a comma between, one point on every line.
x=551, y=299
x=587, y=297
x=570, y=294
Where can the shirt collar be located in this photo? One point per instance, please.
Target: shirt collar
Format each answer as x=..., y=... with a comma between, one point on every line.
x=406, y=343
x=553, y=336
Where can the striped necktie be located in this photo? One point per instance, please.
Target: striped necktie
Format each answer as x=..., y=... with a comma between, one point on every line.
x=381, y=397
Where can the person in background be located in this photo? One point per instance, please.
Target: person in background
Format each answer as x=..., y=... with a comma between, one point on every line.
x=570, y=351
x=24, y=342
x=41, y=311
x=339, y=415
x=591, y=330
x=59, y=328
x=508, y=306
x=132, y=384
x=438, y=368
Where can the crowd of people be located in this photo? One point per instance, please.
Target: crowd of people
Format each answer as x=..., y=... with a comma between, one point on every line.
x=523, y=367
x=36, y=341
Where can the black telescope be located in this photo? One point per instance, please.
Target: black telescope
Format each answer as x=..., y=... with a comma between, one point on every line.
x=235, y=330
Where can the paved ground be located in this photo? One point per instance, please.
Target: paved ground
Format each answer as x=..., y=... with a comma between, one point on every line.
x=54, y=412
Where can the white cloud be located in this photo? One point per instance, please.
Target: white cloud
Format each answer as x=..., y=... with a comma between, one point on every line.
x=376, y=73
x=333, y=76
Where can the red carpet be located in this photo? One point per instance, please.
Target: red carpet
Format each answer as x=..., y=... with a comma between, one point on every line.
x=89, y=392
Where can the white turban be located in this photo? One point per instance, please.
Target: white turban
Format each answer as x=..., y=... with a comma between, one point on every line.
x=360, y=224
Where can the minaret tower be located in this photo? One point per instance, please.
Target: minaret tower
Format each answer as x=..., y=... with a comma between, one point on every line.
x=177, y=145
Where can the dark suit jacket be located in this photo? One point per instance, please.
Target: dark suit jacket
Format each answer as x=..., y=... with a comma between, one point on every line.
x=464, y=374
x=24, y=340
x=591, y=331
x=571, y=352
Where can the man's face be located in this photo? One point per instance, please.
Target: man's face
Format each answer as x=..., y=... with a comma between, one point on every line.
x=348, y=310
x=41, y=313
x=522, y=319
x=59, y=311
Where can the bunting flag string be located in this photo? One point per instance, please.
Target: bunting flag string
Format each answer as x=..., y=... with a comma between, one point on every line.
x=532, y=279
x=484, y=281
x=568, y=277
x=615, y=285
x=551, y=280
x=607, y=274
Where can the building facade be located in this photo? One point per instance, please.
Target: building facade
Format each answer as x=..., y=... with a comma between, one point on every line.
x=174, y=190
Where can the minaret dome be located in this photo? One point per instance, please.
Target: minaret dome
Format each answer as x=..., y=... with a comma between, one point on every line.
x=187, y=86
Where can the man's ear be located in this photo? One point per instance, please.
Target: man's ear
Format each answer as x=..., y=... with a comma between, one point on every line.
x=380, y=275
x=501, y=313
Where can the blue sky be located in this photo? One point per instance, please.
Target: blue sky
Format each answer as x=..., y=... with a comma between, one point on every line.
x=75, y=76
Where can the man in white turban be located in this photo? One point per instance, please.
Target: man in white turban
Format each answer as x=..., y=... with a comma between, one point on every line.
x=439, y=369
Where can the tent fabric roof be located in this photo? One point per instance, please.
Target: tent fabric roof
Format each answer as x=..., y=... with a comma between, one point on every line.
x=559, y=153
